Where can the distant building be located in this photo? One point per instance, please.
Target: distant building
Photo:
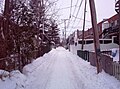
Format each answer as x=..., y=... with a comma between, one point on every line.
x=108, y=34
x=111, y=28
x=108, y=28
x=74, y=37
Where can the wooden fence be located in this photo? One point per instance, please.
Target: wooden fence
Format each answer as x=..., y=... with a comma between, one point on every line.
x=107, y=52
x=106, y=61
x=107, y=64
x=92, y=58
x=116, y=70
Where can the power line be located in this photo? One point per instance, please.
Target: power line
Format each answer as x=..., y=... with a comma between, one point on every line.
x=78, y=27
x=70, y=14
x=70, y=9
x=81, y=19
x=75, y=7
x=77, y=13
x=73, y=13
x=67, y=7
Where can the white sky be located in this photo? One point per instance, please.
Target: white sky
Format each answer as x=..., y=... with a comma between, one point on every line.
x=105, y=9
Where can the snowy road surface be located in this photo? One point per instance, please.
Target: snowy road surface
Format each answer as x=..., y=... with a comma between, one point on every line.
x=60, y=69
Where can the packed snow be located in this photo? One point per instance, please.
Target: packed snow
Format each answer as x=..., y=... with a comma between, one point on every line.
x=59, y=69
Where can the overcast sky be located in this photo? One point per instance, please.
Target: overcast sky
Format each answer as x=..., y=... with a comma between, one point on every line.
x=104, y=9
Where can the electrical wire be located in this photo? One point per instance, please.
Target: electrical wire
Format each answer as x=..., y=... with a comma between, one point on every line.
x=77, y=14
x=70, y=14
x=78, y=11
x=68, y=7
x=73, y=13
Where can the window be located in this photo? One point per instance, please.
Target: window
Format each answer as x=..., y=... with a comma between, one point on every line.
x=112, y=24
x=80, y=42
x=101, y=41
x=107, y=41
x=117, y=22
x=89, y=42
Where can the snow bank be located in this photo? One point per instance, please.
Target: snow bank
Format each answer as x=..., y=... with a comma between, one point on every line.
x=17, y=80
x=12, y=80
x=59, y=69
x=90, y=79
x=39, y=61
x=4, y=73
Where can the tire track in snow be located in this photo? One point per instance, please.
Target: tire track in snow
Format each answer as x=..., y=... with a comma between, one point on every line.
x=59, y=78
x=44, y=71
x=64, y=70
x=78, y=83
x=63, y=75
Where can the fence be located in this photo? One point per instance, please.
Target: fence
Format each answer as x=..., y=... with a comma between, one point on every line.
x=92, y=58
x=107, y=52
x=106, y=62
x=116, y=70
x=83, y=54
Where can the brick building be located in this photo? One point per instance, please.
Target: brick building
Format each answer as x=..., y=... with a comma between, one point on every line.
x=108, y=28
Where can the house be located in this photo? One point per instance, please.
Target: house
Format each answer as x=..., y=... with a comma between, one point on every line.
x=108, y=34
x=111, y=28
x=108, y=28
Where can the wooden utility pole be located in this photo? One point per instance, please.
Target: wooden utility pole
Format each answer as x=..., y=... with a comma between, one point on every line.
x=64, y=31
x=84, y=25
x=65, y=28
x=43, y=16
x=95, y=33
x=6, y=16
x=119, y=31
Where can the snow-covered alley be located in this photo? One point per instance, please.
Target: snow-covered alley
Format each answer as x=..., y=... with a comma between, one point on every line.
x=59, y=69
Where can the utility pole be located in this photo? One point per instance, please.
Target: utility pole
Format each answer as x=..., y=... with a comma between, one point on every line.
x=64, y=31
x=95, y=33
x=119, y=31
x=43, y=17
x=43, y=26
x=6, y=24
x=65, y=27
x=6, y=18
x=84, y=25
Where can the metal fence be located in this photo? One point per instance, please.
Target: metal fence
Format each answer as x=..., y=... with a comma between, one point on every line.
x=83, y=54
